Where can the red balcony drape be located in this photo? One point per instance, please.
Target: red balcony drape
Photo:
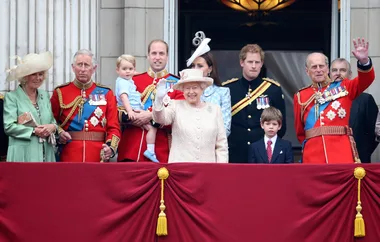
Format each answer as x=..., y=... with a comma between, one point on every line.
x=204, y=202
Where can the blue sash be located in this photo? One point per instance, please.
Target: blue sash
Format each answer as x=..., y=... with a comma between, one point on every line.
x=171, y=80
x=77, y=123
x=312, y=117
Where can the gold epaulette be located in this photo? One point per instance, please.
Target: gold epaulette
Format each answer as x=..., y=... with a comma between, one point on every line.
x=271, y=81
x=303, y=88
x=62, y=85
x=1, y=96
x=101, y=85
x=230, y=81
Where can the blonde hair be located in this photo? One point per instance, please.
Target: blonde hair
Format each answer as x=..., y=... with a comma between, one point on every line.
x=251, y=48
x=270, y=114
x=130, y=58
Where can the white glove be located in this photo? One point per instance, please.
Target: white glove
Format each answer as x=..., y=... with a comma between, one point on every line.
x=161, y=92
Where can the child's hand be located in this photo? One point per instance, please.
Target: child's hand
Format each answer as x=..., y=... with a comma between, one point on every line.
x=132, y=115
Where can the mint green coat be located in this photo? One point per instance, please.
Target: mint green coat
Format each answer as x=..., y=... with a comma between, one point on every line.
x=23, y=145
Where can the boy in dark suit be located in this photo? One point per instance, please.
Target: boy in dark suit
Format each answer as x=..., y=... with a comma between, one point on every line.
x=271, y=149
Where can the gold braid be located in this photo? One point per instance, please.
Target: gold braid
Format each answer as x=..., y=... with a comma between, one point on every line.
x=148, y=90
x=74, y=104
x=305, y=104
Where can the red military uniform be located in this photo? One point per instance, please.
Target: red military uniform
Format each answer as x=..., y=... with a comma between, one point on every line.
x=133, y=141
x=322, y=116
x=89, y=113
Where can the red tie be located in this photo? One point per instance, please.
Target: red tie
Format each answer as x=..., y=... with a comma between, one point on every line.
x=269, y=150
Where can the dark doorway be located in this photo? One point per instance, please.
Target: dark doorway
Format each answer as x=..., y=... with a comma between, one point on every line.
x=304, y=25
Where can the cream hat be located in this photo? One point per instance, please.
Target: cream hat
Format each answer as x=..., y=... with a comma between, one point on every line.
x=31, y=63
x=202, y=46
x=192, y=75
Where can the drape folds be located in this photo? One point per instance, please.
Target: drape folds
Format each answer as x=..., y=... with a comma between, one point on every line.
x=204, y=202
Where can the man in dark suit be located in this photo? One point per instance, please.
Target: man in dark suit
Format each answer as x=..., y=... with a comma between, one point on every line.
x=250, y=95
x=363, y=113
x=271, y=149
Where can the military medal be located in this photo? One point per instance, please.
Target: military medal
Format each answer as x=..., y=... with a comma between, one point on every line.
x=97, y=99
x=169, y=85
x=266, y=99
x=258, y=103
x=102, y=100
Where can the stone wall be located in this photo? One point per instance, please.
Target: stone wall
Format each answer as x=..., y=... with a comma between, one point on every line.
x=365, y=19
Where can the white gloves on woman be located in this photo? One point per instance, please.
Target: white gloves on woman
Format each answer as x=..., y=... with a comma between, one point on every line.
x=161, y=91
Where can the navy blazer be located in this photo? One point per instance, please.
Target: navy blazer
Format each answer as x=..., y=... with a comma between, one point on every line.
x=362, y=121
x=282, y=152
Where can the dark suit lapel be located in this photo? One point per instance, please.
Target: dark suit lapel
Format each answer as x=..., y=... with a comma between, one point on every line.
x=277, y=150
x=263, y=151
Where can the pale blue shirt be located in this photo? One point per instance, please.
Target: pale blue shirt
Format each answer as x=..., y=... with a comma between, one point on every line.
x=128, y=87
x=222, y=97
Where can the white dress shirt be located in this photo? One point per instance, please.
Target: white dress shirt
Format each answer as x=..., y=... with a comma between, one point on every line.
x=274, y=139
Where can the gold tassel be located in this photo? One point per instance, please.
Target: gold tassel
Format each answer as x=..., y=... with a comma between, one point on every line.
x=162, y=223
x=359, y=226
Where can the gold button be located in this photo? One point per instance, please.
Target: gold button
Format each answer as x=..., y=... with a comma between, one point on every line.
x=249, y=143
x=249, y=130
x=86, y=129
x=249, y=116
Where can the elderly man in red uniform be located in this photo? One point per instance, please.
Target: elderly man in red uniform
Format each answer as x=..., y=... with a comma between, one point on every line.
x=322, y=110
x=86, y=112
x=133, y=140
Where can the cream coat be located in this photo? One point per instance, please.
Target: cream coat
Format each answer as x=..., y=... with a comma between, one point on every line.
x=198, y=134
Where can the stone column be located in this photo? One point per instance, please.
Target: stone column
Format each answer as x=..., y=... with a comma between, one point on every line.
x=126, y=27
x=59, y=26
x=143, y=22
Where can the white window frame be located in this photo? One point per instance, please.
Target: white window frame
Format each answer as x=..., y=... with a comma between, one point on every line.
x=345, y=27
x=171, y=33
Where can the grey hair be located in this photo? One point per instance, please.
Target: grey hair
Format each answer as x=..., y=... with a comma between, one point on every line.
x=84, y=52
x=345, y=61
x=307, y=58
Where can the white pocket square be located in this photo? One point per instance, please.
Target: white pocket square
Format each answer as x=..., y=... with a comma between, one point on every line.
x=280, y=152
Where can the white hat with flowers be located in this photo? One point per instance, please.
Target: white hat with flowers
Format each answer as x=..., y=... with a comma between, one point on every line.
x=31, y=63
x=192, y=75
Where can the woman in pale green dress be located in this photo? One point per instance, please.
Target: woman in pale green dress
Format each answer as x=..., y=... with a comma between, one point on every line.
x=33, y=141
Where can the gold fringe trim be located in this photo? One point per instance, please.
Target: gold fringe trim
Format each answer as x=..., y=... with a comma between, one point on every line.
x=162, y=223
x=73, y=105
x=359, y=226
x=146, y=93
x=305, y=104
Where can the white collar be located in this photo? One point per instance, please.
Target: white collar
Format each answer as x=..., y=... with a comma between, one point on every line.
x=273, y=139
